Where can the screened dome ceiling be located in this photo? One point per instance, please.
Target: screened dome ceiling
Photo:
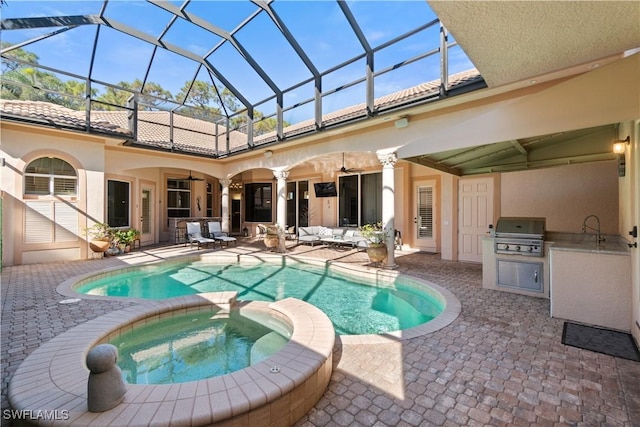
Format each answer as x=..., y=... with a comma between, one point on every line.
x=271, y=63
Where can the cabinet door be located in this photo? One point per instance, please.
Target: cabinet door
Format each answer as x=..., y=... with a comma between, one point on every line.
x=520, y=275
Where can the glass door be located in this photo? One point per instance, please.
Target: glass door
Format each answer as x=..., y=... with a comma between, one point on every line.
x=147, y=227
x=425, y=216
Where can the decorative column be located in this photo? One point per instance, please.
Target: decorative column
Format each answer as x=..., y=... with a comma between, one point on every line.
x=225, y=182
x=388, y=161
x=281, y=206
x=281, y=193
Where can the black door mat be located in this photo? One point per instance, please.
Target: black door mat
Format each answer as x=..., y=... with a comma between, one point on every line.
x=606, y=341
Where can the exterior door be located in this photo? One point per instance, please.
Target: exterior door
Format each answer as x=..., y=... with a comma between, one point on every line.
x=475, y=213
x=147, y=225
x=425, y=216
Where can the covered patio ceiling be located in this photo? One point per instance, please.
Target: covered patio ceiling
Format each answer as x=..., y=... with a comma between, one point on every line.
x=562, y=148
x=510, y=41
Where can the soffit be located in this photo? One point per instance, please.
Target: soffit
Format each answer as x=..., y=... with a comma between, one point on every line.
x=509, y=41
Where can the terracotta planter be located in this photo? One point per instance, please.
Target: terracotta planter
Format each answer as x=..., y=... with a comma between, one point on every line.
x=99, y=245
x=377, y=252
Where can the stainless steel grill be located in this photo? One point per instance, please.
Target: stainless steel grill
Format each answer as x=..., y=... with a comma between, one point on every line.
x=520, y=236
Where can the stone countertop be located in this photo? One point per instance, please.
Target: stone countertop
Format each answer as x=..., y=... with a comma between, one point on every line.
x=580, y=242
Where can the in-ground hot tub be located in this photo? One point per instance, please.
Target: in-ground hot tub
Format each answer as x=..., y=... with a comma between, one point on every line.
x=278, y=390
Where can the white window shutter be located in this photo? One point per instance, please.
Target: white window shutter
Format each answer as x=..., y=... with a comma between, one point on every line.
x=66, y=222
x=38, y=222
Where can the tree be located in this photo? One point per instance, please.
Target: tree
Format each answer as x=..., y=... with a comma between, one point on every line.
x=8, y=65
x=201, y=95
x=119, y=97
x=26, y=82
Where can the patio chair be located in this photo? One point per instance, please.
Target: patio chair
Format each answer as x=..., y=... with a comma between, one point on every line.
x=215, y=231
x=194, y=235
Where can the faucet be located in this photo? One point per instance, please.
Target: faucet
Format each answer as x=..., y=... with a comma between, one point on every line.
x=585, y=227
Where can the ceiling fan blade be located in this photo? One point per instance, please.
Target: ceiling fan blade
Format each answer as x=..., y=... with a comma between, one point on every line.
x=345, y=169
x=192, y=178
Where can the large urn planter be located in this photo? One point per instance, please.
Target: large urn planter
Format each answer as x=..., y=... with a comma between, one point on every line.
x=271, y=241
x=377, y=252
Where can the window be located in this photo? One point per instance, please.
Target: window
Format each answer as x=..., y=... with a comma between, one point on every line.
x=298, y=203
x=50, y=176
x=178, y=198
x=425, y=212
x=360, y=199
x=258, y=198
x=118, y=203
x=371, y=190
x=303, y=204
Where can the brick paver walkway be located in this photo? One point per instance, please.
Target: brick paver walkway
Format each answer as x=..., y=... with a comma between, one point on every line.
x=501, y=363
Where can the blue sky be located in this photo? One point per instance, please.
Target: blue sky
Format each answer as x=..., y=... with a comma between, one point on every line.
x=319, y=27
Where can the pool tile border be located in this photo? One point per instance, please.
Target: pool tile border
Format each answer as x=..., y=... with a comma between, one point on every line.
x=54, y=377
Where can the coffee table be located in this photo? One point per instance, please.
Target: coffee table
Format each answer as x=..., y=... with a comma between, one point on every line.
x=337, y=241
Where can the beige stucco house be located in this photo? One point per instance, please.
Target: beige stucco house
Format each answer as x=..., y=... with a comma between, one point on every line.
x=420, y=157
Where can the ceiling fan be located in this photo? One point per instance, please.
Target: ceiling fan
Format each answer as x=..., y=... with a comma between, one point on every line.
x=344, y=169
x=192, y=178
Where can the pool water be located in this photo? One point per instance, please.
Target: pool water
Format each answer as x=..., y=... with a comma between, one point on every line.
x=354, y=307
x=191, y=347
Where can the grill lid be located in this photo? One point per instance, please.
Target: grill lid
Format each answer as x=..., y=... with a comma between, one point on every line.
x=521, y=227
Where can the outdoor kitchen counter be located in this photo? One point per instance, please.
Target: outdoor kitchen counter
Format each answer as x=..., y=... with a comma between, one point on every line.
x=613, y=244
x=590, y=283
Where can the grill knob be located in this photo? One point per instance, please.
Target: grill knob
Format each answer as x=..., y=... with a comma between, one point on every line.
x=506, y=247
x=530, y=249
x=517, y=248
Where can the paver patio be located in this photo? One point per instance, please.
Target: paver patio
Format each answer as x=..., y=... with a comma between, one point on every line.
x=501, y=362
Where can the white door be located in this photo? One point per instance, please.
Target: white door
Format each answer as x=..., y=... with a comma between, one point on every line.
x=425, y=209
x=475, y=213
x=147, y=227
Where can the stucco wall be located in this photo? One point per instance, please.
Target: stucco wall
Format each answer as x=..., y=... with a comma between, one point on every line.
x=85, y=154
x=564, y=195
x=591, y=288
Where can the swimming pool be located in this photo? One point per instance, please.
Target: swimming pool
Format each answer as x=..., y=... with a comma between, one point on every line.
x=380, y=303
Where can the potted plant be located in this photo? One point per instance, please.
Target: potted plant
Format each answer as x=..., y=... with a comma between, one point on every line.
x=377, y=237
x=124, y=238
x=100, y=235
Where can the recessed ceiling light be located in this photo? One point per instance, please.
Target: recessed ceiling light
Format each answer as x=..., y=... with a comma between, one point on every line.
x=532, y=82
x=592, y=66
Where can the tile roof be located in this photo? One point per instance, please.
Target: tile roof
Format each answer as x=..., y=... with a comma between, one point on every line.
x=198, y=136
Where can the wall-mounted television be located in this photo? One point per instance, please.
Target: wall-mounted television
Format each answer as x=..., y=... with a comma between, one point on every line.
x=325, y=189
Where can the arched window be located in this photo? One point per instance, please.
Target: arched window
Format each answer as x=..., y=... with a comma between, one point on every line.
x=50, y=176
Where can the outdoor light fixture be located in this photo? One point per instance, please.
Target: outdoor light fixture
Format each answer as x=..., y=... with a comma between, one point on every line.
x=619, y=148
x=401, y=123
x=268, y=153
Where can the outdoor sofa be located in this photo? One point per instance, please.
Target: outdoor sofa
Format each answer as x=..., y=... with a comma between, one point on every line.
x=332, y=235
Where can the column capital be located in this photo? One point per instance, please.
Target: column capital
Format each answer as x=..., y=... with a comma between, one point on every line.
x=281, y=175
x=226, y=182
x=387, y=159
